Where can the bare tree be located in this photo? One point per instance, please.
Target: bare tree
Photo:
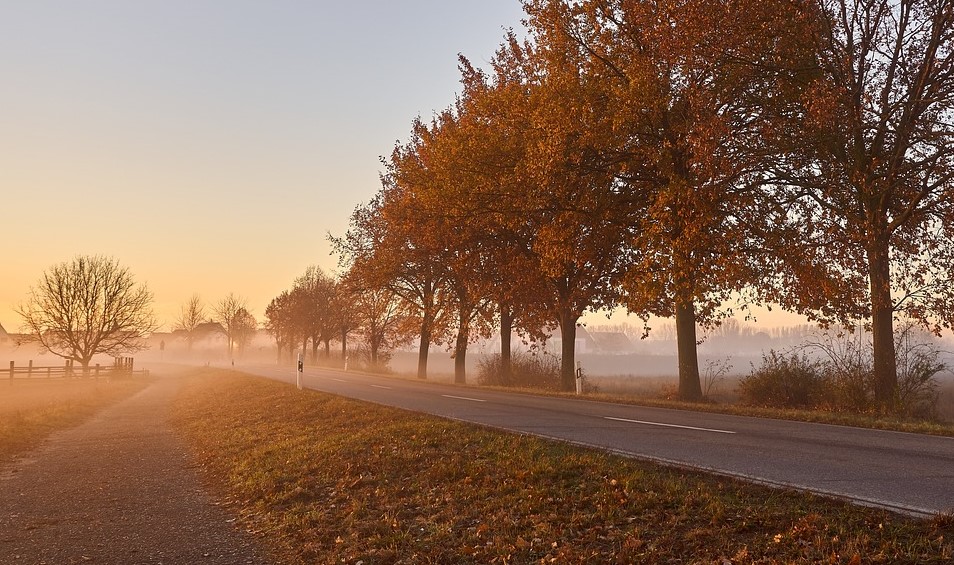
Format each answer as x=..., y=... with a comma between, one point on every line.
x=191, y=315
x=90, y=305
x=230, y=314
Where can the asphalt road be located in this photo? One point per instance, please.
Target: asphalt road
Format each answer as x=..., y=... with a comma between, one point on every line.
x=907, y=473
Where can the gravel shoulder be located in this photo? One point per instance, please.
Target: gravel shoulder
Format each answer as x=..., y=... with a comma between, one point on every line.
x=118, y=489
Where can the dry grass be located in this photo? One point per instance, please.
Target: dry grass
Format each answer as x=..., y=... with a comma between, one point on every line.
x=331, y=480
x=31, y=410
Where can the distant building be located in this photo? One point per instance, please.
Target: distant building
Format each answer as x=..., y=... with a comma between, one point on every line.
x=612, y=343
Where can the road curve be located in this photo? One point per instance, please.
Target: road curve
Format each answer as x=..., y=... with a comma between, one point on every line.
x=907, y=473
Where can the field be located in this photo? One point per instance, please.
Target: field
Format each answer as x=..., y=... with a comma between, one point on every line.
x=329, y=480
x=32, y=409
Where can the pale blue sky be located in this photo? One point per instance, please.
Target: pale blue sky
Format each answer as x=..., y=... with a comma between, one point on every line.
x=211, y=145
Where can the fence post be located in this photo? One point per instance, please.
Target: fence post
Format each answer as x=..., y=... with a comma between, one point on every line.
x=11, y=371
x=96, y=374
x=30, y=369
x=49, y=372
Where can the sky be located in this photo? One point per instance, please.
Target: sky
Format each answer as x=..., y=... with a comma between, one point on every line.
x=211, y=145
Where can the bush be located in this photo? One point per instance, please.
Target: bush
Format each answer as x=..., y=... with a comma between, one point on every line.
x=784, y=381
x=918, y=366
x=848, y=369
x=844, y=379
x=528, y=370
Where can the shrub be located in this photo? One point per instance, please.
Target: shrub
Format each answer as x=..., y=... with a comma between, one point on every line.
x=528, y=370
x=918, y=366
x=784, y=381
x=843, y=380
x=848, y=369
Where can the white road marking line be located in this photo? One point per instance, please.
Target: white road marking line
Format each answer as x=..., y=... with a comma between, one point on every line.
x=463, y=398
x=668, y=425
x=338, y=380
x=384, y=387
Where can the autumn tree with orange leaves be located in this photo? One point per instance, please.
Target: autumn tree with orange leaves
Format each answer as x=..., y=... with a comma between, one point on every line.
x=558, y=209
x=436, y=173
x=686, y=88
x=385, y=248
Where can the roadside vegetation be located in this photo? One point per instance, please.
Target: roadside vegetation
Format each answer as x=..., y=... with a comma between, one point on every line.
x=330, y=480
x=827, y=381
x=32, y=410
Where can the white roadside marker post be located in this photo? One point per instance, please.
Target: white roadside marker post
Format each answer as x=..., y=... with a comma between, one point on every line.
x=579, y=378
x=301, y=368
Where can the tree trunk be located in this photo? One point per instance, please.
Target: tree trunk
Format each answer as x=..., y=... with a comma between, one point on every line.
x=328, y=349
x=568, y=351
x=460, y=352
x=304, y=348
x=344, y=346
x=882, y=325
x=314, y=349
x=506, y=335
x=690, y=388
x=425, y=344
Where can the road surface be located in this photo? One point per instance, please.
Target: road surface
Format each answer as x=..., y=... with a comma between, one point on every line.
x=902, y=472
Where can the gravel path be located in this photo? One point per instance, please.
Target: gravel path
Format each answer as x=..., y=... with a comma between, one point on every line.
x=118, y=489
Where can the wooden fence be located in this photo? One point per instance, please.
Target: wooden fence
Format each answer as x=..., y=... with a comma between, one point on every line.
x=121, y=367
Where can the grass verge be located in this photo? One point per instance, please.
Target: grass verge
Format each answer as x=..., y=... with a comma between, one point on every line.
x=330, y=480
x=32, y=410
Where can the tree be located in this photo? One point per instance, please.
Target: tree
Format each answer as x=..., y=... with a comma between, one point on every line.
x=244, y=329
x=684, y=86
x=88, y=306
x=492, y=158
x=382, y=317
x=383, y=249
x=871, y=173
x=343, y=314
x=231, y=313
x=280, y=322
x=443, y=193
x=564, y=207
x=313, y=292
x=191, y=314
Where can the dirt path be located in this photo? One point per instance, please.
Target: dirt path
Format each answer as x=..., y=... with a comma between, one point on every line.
x=118, y=489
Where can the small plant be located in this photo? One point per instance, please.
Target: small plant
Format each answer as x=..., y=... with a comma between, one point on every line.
x=715, y=372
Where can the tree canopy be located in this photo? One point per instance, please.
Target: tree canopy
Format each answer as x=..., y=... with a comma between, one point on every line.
x=675, y=157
